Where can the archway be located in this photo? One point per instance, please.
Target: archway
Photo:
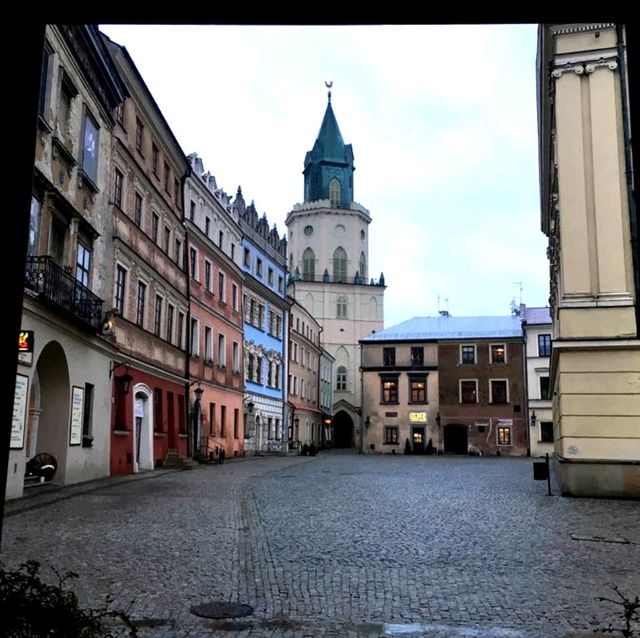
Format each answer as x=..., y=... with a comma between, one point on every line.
x=455, y=439
x=342, y=430
x=143, y=429
x=50, y=431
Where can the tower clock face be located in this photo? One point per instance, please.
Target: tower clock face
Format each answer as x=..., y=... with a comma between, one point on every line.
x=308, y=230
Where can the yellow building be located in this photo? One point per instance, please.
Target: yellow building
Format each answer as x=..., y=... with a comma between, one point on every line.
x=589, y=216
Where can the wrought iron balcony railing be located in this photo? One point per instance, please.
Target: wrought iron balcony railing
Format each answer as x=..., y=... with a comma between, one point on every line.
x=54, y=284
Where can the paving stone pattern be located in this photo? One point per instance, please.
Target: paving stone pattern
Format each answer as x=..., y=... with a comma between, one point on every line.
x=340, y=545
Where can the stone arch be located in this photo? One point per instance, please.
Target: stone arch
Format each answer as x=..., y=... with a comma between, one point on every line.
x=142, y=428
x=343, y=431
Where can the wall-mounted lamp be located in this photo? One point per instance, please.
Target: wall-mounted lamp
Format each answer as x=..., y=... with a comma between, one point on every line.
x=297, y=421
x=367, y=423
x=327, y=421
x=198, y=392
x=532, y=420
x=438, y=419
x=250, y=405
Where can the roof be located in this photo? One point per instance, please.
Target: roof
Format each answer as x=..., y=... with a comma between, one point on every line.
x=537, y=316
x=420, y=328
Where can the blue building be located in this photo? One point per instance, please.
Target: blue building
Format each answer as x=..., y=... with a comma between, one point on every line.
x=265, y=315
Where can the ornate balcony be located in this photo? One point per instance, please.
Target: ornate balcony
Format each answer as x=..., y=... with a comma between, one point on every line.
x=62, y=290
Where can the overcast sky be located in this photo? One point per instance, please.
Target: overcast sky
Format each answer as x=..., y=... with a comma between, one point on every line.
x=442, y=120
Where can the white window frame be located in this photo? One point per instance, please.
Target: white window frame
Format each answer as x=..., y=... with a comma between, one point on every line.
x=194, y=272
x=460, y=390
x=475, y=354
x=499, y=363
x=194, y=337
x=222, y=290
x=234, y=295
x=505, y=427
x=222, y=350
x=208, y=284
x=236, y=356
x=124, y=291
x=208, y=344
x=491, y=390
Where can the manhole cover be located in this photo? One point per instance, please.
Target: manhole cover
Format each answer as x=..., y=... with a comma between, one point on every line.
x=221, y=610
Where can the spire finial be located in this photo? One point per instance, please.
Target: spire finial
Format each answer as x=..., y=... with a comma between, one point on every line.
x=329, y=85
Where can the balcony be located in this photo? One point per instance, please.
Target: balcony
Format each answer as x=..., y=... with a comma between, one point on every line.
x=54, y=285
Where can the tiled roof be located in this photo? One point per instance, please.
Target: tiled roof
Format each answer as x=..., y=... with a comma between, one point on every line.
x=450, y=328
x=537, y=315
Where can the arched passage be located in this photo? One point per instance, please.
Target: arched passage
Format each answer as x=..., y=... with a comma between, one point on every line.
x=51, y=433
x=343, y=430
x=455, y=439
x=143, y=428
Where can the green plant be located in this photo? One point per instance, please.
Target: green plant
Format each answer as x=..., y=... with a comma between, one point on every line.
x=630, y=613
x=31, y=608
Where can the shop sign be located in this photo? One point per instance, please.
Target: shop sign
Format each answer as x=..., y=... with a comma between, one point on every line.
x=418, y=417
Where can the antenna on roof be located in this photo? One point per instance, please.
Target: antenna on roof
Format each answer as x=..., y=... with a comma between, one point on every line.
x=445, y=311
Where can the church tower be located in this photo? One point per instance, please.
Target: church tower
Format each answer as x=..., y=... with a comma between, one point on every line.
x=329, y=272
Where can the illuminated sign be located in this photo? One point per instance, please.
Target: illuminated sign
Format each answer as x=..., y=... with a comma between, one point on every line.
x=418, y=417
x=25, y=341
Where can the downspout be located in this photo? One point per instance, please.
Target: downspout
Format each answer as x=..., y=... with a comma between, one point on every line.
x=318, y=393
x=190, y=442
x=633, y=219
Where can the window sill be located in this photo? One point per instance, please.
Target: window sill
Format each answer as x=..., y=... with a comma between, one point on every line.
x=389, y=402
x=208, y=363
x=418, y=402
x=43, y=124
x=88, y=181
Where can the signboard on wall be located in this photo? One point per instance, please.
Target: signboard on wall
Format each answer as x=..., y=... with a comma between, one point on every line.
x=25, y=347
x=418, y=417
x=19, y=420
x=77, y=412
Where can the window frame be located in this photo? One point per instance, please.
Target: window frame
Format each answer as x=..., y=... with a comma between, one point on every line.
x=391, y=435
x=464, y=350
x=491, y=353
x=390, y=389
x=544, y=344
x=491, y=392
x=460, y=393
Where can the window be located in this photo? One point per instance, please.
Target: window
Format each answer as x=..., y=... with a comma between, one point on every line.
x=157, y=410
x=341, y=307
x=234, y=296
x=158, y=316
x=167, y=239
x=67, y=93
x=498, y=353
x=276, y=376
x=467, y=354
x=178, y=251
x=499, y=391
x=212, y=419
x=544, y=387
x=170, y=311
x=167, y=172
x=87, y=416
x=391, y=435
x=220, y=239
x=118, y=183
x=139, y=133
x=417, y=390
x=341, y=378
x=280, y=284
x=389, y=390
x=270, y=276
x=417, y=356
x=121, y=282
x=137, y=210
x=120, y=114
x=154, y=158
x=90, y=148
x=504, y=435
x=236, y=419
x=192, y=210
x=278, y=326
x=334, y=193
x=193, y=263
x=45, y=78
x=259, y=267
x=388, y=356
x=259, y=369
x=546, y=431
x=207, y=275
x=222, y=351
x=155, y=221
x=249, y=369
x=308, y=265
x=544, y=345
x=339, y=265
x=223, y=421
x=362, y=267
x=247, y=257
x=176, y=191
x=180, y=335
x=222, y=287
x=34, y=226
x=142, y=291
x=233, y=251
x=207, y=226
x=83, y=264
x=236, y=356
x=194, y=346
x=208, y=344
x=469, y=391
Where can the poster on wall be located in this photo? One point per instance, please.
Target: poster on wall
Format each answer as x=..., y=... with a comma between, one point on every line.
x=19, y=421
x=77, y=411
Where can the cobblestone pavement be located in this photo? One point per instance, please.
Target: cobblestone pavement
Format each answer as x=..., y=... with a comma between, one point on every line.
x=340, y=545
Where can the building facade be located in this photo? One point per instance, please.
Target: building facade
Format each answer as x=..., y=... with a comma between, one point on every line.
x=452, y=385
x=62, y=403
x=537, y=326
x=589, y=216
x=325, y=398
x=215, y=322
x=329, y=269
x=305, y=420
x=149, y=295
x=265, y=309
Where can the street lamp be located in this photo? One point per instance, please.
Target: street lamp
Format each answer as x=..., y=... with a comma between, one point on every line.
x=532, y=420
x=367, y=423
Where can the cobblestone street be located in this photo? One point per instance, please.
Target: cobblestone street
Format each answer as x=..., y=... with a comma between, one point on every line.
x=340, y=545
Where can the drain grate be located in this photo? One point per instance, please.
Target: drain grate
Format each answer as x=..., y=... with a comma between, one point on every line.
x=221, y=610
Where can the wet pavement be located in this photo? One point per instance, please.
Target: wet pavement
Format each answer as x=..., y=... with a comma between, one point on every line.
x=340, y=545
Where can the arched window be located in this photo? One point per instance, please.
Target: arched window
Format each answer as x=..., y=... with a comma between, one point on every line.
x=341, y=307
x=308, y=265
x=362, y=267
x=334, y=193
x=341, y=378
x=339, y=265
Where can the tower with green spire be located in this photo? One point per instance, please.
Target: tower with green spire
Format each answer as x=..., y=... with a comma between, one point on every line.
x=328, y=166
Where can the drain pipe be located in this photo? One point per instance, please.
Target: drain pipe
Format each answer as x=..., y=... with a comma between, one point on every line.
x=633, y=219
x=187, y=411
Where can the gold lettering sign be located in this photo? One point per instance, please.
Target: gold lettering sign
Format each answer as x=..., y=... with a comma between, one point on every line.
x=418, y=417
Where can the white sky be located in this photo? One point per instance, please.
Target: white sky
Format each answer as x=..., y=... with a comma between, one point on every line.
x=442, y=120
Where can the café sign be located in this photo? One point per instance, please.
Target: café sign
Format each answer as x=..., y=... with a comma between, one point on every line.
x=418, y=417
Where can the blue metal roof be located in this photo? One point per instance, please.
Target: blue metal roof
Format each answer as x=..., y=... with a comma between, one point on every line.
x=450, y=328
x=537, y=315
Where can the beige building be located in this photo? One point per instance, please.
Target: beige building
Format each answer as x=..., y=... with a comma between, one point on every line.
x=537, y=326
x=589, y=216
x=63, y=397
x=329, y=271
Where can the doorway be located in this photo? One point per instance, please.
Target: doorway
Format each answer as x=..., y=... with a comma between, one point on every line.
x=343, y=430
x=417, y=436
x=143, y=431
x=456, y=439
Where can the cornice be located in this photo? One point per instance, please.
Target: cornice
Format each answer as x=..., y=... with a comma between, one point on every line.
x=566, y=29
